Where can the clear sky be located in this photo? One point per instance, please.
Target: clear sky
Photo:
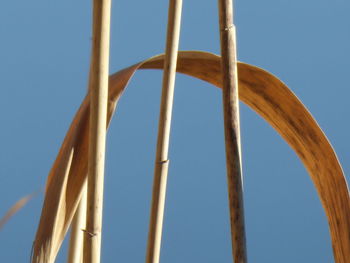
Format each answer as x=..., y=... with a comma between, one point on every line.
x=44, y=61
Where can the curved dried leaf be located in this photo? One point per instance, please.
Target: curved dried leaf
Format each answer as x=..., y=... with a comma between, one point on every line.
x=15, y=208
x=261, y=91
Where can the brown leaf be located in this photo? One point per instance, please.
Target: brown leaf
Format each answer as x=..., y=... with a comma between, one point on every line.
x=261, y=91
x=15, y=208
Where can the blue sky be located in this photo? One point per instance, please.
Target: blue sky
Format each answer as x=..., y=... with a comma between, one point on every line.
x=44, y=61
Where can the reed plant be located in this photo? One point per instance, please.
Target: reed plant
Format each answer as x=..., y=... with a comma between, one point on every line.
x=74, y=189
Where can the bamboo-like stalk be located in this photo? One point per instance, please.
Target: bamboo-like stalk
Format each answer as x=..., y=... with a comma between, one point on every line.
x=161, y=161
x=98, y=88
x=232, y=130
x=75, y=252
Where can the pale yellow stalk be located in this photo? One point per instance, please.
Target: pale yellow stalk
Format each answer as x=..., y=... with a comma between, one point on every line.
x=98, y=88
x=75, y=252
x=162, y=162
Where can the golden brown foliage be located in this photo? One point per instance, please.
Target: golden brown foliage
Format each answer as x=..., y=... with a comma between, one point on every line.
x=261, y=91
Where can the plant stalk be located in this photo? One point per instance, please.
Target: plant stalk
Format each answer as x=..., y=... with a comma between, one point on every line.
x=98, y=88
x=162, y=162
x=232, y=130
x=75, y=252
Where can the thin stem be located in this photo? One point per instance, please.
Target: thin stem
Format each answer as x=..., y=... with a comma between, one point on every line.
x=98, y=88
x=75, y=253
x=162, y=162
x=232, y=130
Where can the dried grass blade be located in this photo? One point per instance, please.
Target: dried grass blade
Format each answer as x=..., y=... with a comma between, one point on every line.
x=46, y=246
x=261, y=91
x=15, y=208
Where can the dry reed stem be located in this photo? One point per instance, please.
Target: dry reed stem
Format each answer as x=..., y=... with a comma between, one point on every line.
x=161, y=160
x=261, y=91
x=75, y=251
x=232, y=130
x=98, y=89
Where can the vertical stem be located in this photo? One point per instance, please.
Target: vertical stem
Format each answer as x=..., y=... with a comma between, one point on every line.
x=75, y=253
x=162, y=162
x=232, y=132
x=98, y=88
